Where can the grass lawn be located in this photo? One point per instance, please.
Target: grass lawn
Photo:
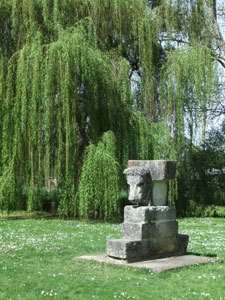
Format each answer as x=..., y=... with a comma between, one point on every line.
x=36, y=262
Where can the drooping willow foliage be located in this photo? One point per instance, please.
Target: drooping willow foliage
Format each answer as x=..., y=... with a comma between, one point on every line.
x=190, y=82
x=71, y=70
x=99, y=181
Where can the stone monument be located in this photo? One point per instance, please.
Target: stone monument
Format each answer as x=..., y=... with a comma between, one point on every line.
x=150, y=229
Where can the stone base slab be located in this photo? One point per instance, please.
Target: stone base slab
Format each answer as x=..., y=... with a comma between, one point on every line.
x=155, y=265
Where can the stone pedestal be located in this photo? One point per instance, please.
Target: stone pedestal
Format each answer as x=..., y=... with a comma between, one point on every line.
x=150, y=229
x=148, y=232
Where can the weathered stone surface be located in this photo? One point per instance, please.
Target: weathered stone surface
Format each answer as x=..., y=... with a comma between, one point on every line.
x=164, y=229
x=146, y=214
x=129, y=250
x=159, y=193
x=163, y=246
x=117, y=248
x=157, y=229
x=159, y=169
x=139, y=180
x=137, y=250
x=148, y=181
x=137, y=230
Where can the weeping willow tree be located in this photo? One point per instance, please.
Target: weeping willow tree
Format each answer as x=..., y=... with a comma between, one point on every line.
x=71, y=70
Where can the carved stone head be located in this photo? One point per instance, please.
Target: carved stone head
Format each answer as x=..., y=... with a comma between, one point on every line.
x=139, y=180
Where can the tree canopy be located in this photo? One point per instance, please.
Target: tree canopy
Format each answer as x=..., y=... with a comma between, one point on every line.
x=71, y=70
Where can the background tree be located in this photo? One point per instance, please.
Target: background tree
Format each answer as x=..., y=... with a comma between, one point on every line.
x=72, y=70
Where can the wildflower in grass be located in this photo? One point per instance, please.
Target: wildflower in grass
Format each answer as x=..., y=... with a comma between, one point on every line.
x=205, y=294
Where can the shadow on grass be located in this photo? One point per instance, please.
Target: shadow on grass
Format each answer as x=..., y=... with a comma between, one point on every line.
x=199, y=254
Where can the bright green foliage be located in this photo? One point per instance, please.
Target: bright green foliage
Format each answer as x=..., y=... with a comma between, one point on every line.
x=72, y=70
x=190, y=78
x=8, y=191
x=99, y=181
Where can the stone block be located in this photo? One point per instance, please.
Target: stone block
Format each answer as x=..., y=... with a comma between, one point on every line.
x=130, y=250
x=137, y=230
x=159, y=193
x=147, y=214
x=137, y=250
x=163, y=245
x=117, y=248
x=161, y=229
x=155, y=229
x=159, y=169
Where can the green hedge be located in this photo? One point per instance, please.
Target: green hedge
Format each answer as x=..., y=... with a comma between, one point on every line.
x=198, y=210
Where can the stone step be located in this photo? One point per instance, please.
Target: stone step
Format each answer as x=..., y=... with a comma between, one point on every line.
x=150, y=230
x=137, y=250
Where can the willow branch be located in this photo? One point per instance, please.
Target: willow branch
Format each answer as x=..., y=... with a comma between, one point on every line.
x=211, y=16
